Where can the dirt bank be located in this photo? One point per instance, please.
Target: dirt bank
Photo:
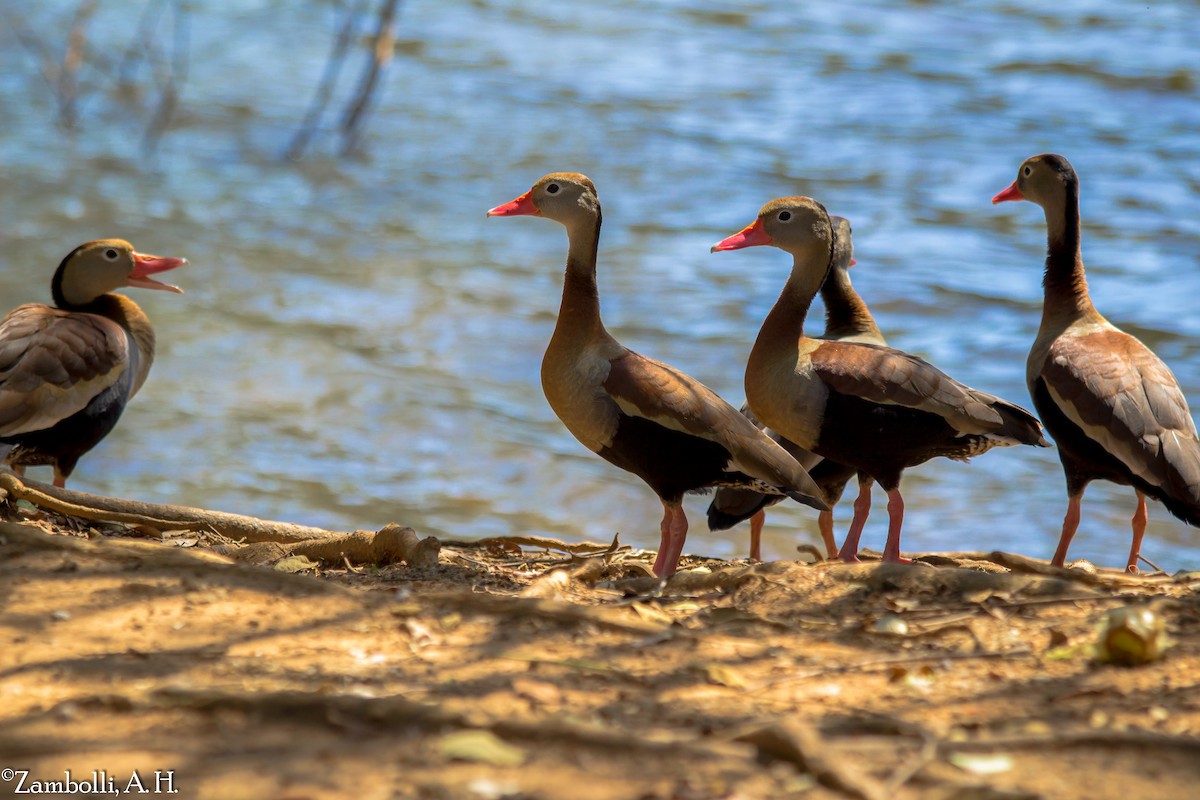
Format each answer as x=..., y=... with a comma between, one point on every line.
x=521, y=670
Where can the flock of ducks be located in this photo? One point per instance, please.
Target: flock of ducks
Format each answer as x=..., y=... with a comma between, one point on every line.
x=819, y=411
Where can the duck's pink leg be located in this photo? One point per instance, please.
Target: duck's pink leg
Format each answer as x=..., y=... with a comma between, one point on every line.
x=664, y=541
x=1070, y=525
x=756, y=525
x=891, y=550
x=1140, y=518
x=825, y=523
x=862, y=509
x=673, y=531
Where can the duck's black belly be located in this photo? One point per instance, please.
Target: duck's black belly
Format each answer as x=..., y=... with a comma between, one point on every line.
x=670, y=461
x=1083, y=458
x=65, y=442
x=883, y=440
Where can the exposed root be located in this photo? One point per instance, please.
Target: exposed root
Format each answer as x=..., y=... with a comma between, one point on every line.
x=390, y=545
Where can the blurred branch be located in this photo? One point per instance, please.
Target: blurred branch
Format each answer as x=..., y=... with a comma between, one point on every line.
x=337, y=58
x=68, y=76
x=170, y=75
x=63, y=76
x=119, y=70
x=135, y=54
x=382, y=48
x=39, y=49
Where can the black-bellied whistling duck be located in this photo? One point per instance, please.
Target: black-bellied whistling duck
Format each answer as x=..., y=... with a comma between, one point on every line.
x=847, y=319
x=67, y=371
x=1115, y=410
x=871, y=408
x=640, y=414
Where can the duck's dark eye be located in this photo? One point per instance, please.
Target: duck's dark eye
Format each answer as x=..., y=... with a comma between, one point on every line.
x=1027, y=171
x=784, y=216
x=552, y=188
x=111, y=254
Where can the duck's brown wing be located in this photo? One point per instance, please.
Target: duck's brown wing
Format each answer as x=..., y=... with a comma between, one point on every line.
x=1124, y=398
x=52, y=363
x=892, y=377
x=646, y=388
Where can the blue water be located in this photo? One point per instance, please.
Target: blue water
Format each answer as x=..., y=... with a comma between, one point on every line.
x=359, y=345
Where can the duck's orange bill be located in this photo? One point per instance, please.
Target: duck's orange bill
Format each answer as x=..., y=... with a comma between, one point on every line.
x=145, y=265
x=749, y=236
x=1011, y=193
x=522, y=205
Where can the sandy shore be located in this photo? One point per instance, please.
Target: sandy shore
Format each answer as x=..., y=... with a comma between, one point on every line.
x=522, y=670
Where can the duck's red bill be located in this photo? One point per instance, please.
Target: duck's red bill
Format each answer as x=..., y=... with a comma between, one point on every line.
x=145, y=265
x=522, y=205
x=749, y=236
x=1011, y=193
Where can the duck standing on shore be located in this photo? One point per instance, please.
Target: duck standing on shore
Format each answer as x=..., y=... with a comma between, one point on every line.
x=871, y=408
x=847, y=319
x=1114, y=408
x=637, y=413
x=68, y=370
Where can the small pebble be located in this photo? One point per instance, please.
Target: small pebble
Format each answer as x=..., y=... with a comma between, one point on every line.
x=890, y=624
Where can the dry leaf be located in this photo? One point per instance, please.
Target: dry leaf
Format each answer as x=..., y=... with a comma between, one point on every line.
x=296, y=564
x=480, y=747
x=724, y=675
x=537, y=691
x=651, y=613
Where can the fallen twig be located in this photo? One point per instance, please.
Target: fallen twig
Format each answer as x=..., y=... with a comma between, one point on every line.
x=1104, y=578
x=543, y=608
x=585, y=549
x=801, y=746
x=1073, y=738
x=554, y=582
x=888, y=663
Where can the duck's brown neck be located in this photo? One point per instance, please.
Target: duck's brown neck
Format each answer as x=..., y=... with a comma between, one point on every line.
x=579, y=314
x=1064, y=282
x=783, y=328
x=129, y=315
x=846, y=314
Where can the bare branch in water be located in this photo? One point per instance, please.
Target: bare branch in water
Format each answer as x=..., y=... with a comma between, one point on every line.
x=68, y=75
x=38, y=48
x=62, y=76
x=169, y=75
x=137, y=51
x=333, y=67
x=120, y=71
x=382, y=48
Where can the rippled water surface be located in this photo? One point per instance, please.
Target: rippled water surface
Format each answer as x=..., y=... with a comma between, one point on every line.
x=359, y=345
